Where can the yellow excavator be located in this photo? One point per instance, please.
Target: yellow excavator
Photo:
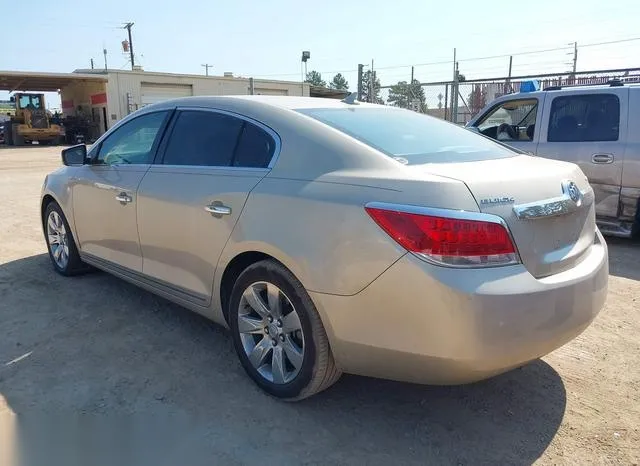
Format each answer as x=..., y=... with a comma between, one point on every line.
x=31, y=122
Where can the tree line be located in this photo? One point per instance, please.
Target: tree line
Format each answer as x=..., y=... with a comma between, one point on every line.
x=403, y=94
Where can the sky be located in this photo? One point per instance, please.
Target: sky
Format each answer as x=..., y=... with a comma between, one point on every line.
x=264, y=39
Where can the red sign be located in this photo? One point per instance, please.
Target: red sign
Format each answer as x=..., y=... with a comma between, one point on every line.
x=67, y=104
x=98, y=99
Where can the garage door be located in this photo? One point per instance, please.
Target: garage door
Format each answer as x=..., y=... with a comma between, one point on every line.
x=153, y=93
x=265, y=91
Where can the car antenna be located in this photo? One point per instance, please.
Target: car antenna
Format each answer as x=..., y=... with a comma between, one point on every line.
x=351, y=99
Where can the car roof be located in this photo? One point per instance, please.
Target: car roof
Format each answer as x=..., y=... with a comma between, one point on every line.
x=284, y=102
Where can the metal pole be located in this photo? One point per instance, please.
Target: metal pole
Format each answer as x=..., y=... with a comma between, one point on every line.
x=372, y=78
x=446, y=101
x=453, y=84
x=301, y=79
x=92, y=63
x=575, y=57
x=508, y=83
x=104, y=51
x=128, y=28
x=455, y=92
x=251, y=88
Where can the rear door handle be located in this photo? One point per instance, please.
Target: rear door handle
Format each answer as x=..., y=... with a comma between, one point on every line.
x=218, y=209
x=124, y=198
x=602, y=158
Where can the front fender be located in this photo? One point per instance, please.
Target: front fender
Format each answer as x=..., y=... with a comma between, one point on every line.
x=56, y=186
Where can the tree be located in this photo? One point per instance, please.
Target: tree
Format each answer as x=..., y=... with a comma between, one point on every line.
x=477, y=99
x=366, y=89
x=339, y=82
x=315, y=79
x=409, y=96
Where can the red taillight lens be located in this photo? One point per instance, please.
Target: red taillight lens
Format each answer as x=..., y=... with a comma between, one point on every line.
x=448, y=240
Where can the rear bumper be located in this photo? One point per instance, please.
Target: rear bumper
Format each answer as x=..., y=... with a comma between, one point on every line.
x=423, y=323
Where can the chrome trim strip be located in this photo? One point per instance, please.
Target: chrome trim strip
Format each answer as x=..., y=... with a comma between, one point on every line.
x=455, y=214
x=438, y=212
x=552, y=207
x=267, y=129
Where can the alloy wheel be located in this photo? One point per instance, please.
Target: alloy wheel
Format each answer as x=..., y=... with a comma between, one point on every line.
x=58, y=239
x=271, y=332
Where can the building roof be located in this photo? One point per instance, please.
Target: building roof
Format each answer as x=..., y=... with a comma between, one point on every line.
x=319, y=91
x=101, y=71
x=37, y=81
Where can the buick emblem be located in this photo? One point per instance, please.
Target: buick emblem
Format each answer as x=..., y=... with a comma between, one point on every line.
x=572, y=190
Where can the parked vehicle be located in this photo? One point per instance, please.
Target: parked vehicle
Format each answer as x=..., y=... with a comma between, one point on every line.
x=336, y=236
x=31, y=122
x=592, y=126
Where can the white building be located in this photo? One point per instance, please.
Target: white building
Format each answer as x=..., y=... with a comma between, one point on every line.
x=126, y=91
x=108, y=96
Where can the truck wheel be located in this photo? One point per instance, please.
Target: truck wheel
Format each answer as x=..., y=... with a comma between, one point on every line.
x=18, y=140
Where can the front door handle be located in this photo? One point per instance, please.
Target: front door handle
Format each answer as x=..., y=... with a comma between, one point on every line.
x=602, y=158
x=124, y=198
x=218, y=209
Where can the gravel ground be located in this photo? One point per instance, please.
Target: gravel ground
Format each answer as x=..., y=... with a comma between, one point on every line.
x=96, y=346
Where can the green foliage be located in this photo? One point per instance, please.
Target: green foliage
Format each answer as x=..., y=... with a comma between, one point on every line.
x=339, y=82
x=366, y=89
x=410, y=96
x=315, y=79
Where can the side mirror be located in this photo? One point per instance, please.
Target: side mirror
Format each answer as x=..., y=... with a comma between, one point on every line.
x=74, y=155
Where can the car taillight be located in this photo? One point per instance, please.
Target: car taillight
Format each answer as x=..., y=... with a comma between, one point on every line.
x=448, y=240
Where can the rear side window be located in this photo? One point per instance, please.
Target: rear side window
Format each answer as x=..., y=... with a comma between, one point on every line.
x=255, y=148
x=410, y=137
x=203, y=138
x=586, y=117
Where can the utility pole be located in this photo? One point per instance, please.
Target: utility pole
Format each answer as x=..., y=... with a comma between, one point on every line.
x=104, y=51
x=360, y=71
x=508, y=84
x=412, y=75
x=92, y=63
x=128, y=28
x=575, y=57
x=206, y=67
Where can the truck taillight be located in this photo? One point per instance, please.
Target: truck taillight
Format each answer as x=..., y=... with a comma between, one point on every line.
x=447, y=240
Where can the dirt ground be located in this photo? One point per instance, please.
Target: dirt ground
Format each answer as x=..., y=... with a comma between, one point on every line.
x=97, y=346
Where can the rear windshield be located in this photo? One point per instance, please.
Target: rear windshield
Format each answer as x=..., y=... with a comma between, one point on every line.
x=411, y=138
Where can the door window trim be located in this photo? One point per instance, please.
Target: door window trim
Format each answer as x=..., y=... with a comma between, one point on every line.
x=97, y=147
x=159, y=159
x=486, y=114
x=582, y=94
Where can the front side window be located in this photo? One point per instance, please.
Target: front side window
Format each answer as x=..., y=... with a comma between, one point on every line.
x=203, y=138
x=132, y=143
x=513, y=120
x=409, y=137
x=585, y=117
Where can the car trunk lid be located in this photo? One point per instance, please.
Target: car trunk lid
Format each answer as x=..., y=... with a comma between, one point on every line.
x=533, y=195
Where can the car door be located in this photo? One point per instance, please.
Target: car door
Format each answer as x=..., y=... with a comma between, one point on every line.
x=189, y=202
x=104, y=192
x=513, y=122
x=589, y=127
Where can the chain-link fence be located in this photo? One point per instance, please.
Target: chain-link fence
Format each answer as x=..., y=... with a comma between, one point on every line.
x=459, y=102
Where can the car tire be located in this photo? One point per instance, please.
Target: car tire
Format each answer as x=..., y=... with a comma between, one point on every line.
x=283, y=348
x=60, y=242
